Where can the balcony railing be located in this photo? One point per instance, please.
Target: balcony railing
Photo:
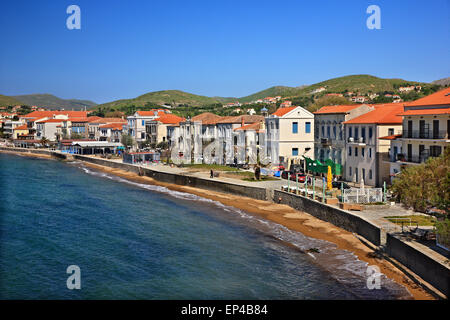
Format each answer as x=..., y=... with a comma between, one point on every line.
x=425, y=134
x=357, y=140
x=412, y=158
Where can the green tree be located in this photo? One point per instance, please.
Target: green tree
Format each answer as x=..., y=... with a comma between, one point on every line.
x=426, y=185
x=127, y=140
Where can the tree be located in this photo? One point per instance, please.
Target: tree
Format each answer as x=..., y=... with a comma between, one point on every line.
x=44, y=141
x=328, y=101
x=163, y=145
x=127, y=140
x=425, y=186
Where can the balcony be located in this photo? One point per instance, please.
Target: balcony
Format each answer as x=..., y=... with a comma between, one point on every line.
x=359, y=141
x=425, y=134
x=413, y=158
x=325, y=141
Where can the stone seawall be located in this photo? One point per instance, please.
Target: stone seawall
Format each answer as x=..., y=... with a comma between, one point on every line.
x=435, y=273
x=341, y=218
x=185, y=180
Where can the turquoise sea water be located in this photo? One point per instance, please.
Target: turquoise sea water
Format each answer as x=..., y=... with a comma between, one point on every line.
x=135, y=241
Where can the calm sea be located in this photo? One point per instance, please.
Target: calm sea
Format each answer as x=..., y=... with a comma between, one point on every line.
x=134, y=241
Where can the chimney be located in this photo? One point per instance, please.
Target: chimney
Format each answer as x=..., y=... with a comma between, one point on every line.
x=242, y=121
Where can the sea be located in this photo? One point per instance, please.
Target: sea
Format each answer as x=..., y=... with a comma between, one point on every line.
x=128, y=240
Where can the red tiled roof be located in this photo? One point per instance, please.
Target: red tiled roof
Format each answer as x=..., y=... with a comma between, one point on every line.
x=151, y=113
x=256, y=126
x=282, y=111
x=43, y=114
x=52, y=120
x=441, y=97
x=424, y=112
x=168, y=118
x=244, y=118
x=113, y=126
x=207, y=118
x=108, y=120
x=22, y=127
x=383, y=114
x=391, y=137
x=337, y=109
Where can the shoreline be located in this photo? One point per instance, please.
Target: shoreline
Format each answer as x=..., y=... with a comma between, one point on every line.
x=281, y=214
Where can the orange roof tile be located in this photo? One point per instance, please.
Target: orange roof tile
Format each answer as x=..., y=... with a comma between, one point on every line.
x=244, y=118
x=43, y=114
x=441, y=97
x=108, y=120
x=52, y=120
x=256, y=126
x=337, y=109
x=168, y=118
x=391, y=137
x=383, y=114
x=113, y=126
x=22, y=127
x=207, y=118
x=282, y=111
x=424, y=112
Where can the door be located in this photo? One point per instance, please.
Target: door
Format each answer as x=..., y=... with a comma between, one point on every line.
x=421, y=153
x=435, y=129
x=422, y=129
x=409, y=152
x=409, y=134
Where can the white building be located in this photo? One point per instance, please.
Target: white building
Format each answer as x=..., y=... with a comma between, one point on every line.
x=289, y=135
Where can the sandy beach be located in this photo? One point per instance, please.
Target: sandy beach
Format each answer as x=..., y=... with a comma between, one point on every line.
x=283, y=215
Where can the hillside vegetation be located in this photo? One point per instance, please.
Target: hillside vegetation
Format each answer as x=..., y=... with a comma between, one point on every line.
x=6, y=101
x=50, y=101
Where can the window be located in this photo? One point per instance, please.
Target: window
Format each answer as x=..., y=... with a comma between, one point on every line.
x=295, y=151
x=370, y=133
x=334, y=132
x=350, y=172
x=390, y=131
x=142, y=135
x=350, y=132
x=294, y=127
x=363, y=175
x=349, y=151
x=307, y=127
x=328, y=132
x=362, y=152
x=356, y=133
x=356, y=152
x=370, y=174
x=370, y=152
x=363, y=132
x=143, y=122
x=323, y=131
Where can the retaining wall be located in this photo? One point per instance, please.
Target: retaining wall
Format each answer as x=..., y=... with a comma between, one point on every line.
x=340, y=218
x=435, y=273
x=185, y=180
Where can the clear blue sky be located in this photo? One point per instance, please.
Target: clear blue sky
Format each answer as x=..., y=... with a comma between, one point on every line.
x=214, y=47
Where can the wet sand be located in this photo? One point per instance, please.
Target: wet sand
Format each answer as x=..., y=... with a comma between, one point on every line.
x=283, y=215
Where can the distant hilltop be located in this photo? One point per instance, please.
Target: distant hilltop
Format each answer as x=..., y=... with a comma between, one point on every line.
x=47, y=101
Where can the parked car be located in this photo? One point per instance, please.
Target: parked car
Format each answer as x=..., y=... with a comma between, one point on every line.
x=337, y=184
x=292, y=176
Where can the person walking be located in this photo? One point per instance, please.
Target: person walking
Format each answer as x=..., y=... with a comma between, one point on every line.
x=212, y=174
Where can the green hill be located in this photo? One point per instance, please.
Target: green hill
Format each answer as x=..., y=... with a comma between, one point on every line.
x=173, y=97
x=6, y=101
x=272, y=92
x=52, y=102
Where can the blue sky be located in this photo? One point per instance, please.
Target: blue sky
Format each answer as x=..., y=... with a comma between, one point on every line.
x=216, y=47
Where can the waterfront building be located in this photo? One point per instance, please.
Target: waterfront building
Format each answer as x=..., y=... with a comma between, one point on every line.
x=136, y=122
x=426, y=131
x=364, y=150
x=156, y=129
x=47, y=128
x=329, y=131
x=250, y=139
x=289, y=135
x=106, y=129
x=9, y=126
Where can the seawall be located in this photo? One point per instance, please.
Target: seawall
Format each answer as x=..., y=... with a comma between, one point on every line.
x=341, y=218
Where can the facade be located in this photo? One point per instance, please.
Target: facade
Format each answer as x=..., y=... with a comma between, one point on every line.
x=156, y=129
x=365, y=152
x=136, y=122
x=250, y=143
x=111, y=132
x=289, y=135
x=329, y=131
x=426, y=131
